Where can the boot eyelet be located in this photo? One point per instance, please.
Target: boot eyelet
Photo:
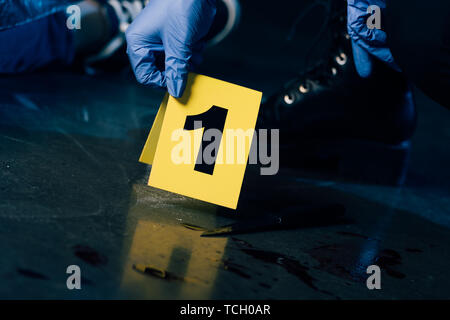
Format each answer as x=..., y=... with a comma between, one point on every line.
x=124, y=26
x=341, y=59
x=288, y=99
x=303, y=88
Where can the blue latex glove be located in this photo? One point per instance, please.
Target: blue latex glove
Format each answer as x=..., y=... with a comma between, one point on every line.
x=173, y=29
x=367, y=43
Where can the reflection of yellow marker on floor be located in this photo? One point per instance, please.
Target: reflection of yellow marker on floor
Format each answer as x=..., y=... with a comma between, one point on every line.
x=171, y=252
x=230, y=109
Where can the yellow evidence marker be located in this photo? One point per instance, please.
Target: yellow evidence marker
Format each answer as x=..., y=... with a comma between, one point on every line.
x=199, y=144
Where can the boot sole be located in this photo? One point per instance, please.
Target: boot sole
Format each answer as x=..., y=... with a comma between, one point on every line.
x=355, y=160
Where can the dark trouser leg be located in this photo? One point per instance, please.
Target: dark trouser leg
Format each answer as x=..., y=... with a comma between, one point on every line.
x=48, y=41
x=419, y=37
x=36, y=44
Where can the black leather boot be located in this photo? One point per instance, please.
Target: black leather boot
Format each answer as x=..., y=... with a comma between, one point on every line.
x=331, y=118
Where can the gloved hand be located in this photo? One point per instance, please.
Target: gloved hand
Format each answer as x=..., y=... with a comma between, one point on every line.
x=367, y=43
x=169, y=30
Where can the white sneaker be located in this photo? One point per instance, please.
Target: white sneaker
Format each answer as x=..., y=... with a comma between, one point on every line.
x=125, y=11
